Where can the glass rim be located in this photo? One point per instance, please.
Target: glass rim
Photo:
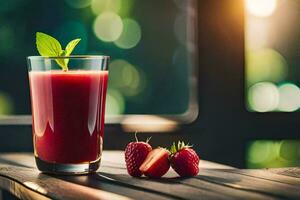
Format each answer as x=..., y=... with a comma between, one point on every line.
x=103, y=57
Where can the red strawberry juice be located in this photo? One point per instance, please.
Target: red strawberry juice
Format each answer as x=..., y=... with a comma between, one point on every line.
x=68, y=115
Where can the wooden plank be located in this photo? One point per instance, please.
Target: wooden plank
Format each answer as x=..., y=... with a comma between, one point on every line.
x=171, y=178
x=113, y=161
x=227, y=191
x=268, y=175
x=48, y=186
x=95, y=182
x=291, y=172
x=214, y=182
x=173, y=190
x=19, y=159
x=86, y=181
x=190, y=188
x=243, y=182
x=19, y=190
x=108, y=169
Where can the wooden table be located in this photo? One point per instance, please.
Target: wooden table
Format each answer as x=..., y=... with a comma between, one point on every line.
x=19, y=176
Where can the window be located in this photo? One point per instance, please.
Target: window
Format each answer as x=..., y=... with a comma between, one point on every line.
x=152, y=46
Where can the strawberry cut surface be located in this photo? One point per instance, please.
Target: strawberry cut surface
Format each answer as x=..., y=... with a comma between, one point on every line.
x=156, y=164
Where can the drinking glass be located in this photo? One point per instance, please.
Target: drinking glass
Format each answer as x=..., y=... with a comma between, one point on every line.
x=68, y=108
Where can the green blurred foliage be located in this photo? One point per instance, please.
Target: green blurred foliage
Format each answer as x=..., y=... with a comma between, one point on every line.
x=273, y=153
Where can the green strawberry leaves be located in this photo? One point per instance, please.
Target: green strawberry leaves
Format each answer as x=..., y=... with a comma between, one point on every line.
x=50, y=47
x=180, y=145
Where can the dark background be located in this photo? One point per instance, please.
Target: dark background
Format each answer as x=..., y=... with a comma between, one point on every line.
x=224, y=128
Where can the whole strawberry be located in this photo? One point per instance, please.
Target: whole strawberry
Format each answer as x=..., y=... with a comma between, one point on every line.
x=135, y=154
x=184, y=160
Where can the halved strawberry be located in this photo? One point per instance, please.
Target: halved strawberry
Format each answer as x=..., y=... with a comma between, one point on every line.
x=157, y=163
x=184, y=160
x=135, y=154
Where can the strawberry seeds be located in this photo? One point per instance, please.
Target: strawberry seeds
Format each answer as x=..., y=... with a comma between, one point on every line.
x=141, y=159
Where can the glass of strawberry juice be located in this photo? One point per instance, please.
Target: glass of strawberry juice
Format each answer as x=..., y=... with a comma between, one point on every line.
x=68, y=109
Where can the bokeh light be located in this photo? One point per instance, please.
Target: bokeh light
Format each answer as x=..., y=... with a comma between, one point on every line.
x=115, y=102
x=263, y=97
x=131, y=34
x=273, y=153
x=257, y=34
x=265, y=65
x=126, y=7
x=290, y=150
x=6, y=105
x=126, y=78
x=261, y=151
x=289, y=97
x=100, y=6
x=261, y=8
x=78, y=3
x=108, y=26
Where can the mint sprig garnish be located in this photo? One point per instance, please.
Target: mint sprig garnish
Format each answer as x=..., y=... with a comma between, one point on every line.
x=50, y=47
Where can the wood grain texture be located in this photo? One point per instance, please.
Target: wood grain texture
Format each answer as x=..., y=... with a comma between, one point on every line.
x=269, y=174
x=248, y=183
x=291, y=172
x=181, y=188
x=50, y=186
x=19, y=176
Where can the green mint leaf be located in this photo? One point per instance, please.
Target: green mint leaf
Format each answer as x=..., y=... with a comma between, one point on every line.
x=69, y=48
x=71, y=45
x=63, y=63
x=47, y=45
